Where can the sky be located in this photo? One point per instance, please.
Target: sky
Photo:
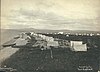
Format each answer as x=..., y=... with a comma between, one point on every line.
x=51, y=14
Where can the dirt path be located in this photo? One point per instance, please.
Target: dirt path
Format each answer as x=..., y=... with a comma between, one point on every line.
x=6, y=53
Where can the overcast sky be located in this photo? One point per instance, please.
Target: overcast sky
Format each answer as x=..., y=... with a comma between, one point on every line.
x=51, y=14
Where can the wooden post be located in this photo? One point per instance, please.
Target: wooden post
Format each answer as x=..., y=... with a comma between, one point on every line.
x=51, y=53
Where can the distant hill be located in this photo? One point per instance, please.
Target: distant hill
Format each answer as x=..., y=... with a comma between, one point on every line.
x=40, y=30
x=49, y=31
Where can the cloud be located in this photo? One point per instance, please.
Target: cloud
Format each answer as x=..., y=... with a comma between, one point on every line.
x=40, y=16
x=23, y=18
x=45, y=3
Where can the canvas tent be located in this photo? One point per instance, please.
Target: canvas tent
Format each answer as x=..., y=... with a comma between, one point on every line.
x=78, y=46
x=21, y=42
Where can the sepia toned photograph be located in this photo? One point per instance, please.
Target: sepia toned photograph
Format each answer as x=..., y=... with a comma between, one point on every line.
x=50, y=36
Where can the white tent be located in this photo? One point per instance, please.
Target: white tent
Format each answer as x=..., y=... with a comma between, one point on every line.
x=20, y=42
x=52, y=43
x=82, y=47
x=76, y=42
x=78, y=46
